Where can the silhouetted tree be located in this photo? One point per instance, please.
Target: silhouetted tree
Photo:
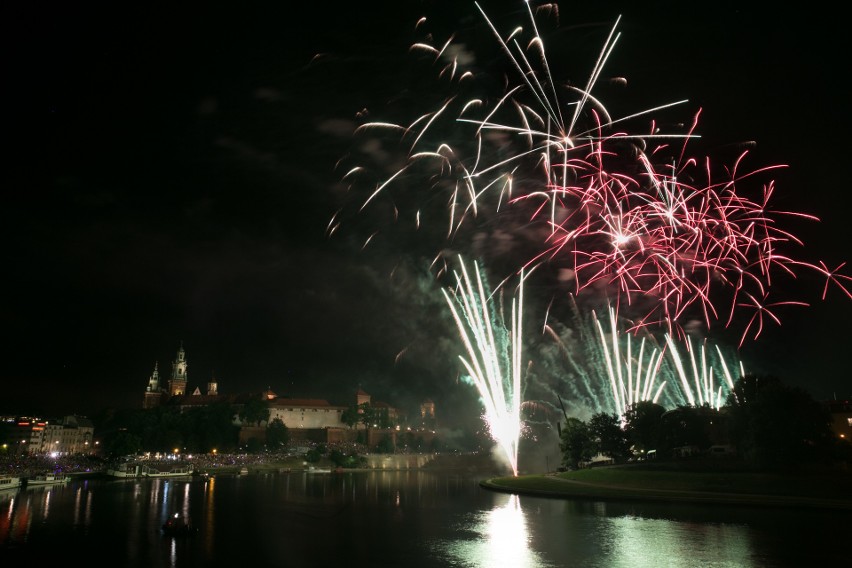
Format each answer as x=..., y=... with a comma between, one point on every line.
x=576, y=443
x=774, y=424
x=121, y=443
x=277, y=435
x=385, y=445
x=608, y=438
x=255, y=411
x=351, y=416
x=642, y=423
x=685, y=426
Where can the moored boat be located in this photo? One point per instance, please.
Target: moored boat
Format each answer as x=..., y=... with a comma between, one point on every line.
x=9, y=482
x=125, y=470
x=174, y=472
x=48, y=479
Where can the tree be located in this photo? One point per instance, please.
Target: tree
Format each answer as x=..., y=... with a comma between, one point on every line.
x=351, y=417
x=774, y=424
x=313, y=455
x=122, y=443
x=576, y=443
x=685, y=426
x=277, y=435
x=385, y=445
x=643, y=424
x=367, y=415
x=255, y=411
x=608, y=438
x=350, y=460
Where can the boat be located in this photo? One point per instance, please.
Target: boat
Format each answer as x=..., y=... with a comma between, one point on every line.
x=178, y=526
x=244, y=470
x=9, y=482
x=181, y=471
x=125, y=470
x=48, y=479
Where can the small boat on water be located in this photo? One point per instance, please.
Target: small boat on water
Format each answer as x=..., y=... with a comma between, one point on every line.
x=48, y=479
x=244, y=470
x=179, y=526
x=9, y=482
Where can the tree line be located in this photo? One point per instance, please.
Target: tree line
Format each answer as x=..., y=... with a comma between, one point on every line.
x=767, y=423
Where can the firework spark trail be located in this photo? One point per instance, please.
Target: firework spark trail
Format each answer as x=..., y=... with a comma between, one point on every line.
x=625, y=395
x=626, y=210
x=494, y=356
x=705, y=389
x=617, y=373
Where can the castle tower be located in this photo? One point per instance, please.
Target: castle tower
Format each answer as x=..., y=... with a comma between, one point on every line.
x=153, y=393
x=212, y=387
x=177, y=384
x=361, y=397
x=427, y=414
x=154, y=380
x=427, y=410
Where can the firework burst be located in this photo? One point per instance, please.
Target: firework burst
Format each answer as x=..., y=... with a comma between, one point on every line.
x=622, y=204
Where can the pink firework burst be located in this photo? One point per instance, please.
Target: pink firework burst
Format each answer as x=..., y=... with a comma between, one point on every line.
x=632, y=212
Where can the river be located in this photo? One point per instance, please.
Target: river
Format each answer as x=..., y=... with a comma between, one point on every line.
x=410, y=519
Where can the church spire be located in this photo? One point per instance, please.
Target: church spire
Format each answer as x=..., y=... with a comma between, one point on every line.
x=154, y=380
x=212, y=386
x=153, y=393
x=177, y=383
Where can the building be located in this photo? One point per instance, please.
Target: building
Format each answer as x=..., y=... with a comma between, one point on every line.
x=427, y=414
x=307, y=419
x=66, y=436
x=300, y=413
x=841, y=418
x=156, y=395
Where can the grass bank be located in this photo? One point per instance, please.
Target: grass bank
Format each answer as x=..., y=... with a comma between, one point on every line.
x=694, y=482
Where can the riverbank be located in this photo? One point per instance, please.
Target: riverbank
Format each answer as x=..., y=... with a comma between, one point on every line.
x=27, y=466
x=699, y=484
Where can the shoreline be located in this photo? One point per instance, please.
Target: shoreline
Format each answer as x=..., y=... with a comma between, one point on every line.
x=736, y=492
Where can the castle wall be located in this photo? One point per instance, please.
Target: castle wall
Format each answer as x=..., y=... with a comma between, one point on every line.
x=305, y=417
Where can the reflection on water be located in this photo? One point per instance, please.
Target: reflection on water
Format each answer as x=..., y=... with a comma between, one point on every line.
x=497, y=537
x=392, y=518
x=638, y=542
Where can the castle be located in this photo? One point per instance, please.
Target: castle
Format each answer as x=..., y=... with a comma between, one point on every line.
x=155, y=395
x=314, y=418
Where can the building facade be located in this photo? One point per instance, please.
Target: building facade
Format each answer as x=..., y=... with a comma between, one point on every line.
x=35, y=436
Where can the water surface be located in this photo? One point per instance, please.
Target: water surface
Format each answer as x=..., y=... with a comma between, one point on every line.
x=393, y=518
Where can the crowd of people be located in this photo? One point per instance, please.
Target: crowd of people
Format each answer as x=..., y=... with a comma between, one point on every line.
x=29, y=465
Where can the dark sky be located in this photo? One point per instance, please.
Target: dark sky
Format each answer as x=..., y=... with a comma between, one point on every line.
x=169, y=176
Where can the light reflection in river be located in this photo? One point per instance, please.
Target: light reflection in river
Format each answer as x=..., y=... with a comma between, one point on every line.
x=389, y=519
x=497, y=538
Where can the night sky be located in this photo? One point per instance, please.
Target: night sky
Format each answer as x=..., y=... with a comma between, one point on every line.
x=170, y=174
